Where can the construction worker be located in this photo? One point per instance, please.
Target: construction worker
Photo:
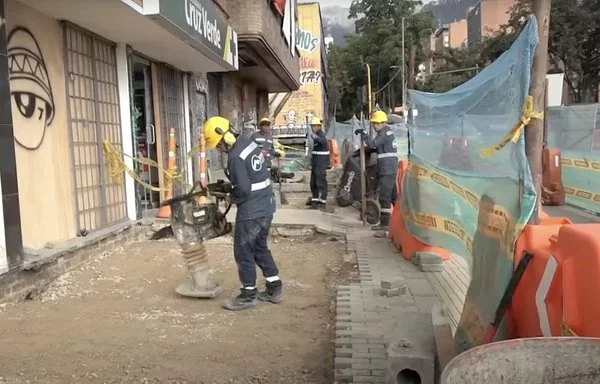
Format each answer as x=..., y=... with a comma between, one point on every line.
x=319, y=165
x=387, y=165
x=263, y=138
x=253, y=195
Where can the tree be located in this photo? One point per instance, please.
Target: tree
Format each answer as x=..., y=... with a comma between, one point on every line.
x=453, y=60
x=337, y=79
x=574, y=46
x=378, y=42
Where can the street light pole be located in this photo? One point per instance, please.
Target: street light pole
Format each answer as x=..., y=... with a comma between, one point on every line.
x=403, y=74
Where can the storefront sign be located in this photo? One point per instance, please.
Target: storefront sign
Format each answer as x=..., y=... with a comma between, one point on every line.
x=197, y=22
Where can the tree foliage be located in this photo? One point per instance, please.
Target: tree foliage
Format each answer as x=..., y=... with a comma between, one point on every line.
x=377, y=42
x=574, y=42
x=573, y=48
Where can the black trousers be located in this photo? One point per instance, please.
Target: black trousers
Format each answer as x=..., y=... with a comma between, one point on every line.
x=250, y=249
x=318, y=184
x=387, y=195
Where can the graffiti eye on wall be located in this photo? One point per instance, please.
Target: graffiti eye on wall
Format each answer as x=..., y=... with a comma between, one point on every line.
x=30, y=89
x=27, y=103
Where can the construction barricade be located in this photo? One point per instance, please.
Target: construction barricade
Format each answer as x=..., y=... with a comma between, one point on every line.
x=558, y=293
x=400, y=236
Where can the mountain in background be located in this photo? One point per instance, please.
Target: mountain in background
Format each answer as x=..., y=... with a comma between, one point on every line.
x=447, y=11
x=337, y=24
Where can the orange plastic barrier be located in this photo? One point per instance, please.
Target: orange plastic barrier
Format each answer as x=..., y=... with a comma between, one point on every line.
x=164, y=212
x=334, y=153
x=580, y=246
x=398, y=232
x=558, y=294
x=553, y=192
x=536, y=306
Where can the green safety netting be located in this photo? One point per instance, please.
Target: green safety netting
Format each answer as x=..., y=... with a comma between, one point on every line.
x=343, y=131
x=575, y=130
x=456, y=199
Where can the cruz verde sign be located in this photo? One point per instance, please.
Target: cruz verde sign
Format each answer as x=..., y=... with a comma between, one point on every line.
x=198, y=23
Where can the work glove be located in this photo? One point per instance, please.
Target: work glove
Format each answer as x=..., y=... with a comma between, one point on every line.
x=361, y=132
x=277, y=154
x=220, y=186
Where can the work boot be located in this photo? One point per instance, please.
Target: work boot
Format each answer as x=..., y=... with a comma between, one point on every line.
x=314, y=205
x=272, y=293
x=245, y=300
x=322, y=207
x=379, y=227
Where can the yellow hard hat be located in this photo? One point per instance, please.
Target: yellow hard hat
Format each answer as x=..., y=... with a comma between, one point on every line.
x=264, y=120
x=379, y=117
x=215, y=129
x=316, y=121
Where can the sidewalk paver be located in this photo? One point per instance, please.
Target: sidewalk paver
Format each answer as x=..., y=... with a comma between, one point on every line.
x=369, y=325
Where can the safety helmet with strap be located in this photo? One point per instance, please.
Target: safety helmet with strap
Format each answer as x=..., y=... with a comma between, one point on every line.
x=379, y=117
x=218, y=128
x=264, y=121
x=316, y=121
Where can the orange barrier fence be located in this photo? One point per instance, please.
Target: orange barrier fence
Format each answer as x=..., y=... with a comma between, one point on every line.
x=558, y=294
x=398, y=232
x=334, y=153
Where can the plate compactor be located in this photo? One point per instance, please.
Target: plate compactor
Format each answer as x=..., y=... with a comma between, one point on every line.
x=195, y=218
x=348, y=189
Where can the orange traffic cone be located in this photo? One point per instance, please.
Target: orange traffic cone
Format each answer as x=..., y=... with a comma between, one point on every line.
x=164, y=212
x=203, y=168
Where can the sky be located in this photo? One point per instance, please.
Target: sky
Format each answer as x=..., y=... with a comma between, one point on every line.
x=345, y=3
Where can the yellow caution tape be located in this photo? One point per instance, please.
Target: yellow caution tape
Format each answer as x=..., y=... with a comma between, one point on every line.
x=116, y=167
x=515, y=132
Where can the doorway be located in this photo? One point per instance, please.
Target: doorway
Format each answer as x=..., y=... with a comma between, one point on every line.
x=144, y=134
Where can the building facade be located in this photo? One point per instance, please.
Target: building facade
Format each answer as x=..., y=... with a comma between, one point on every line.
x=291, y=111
x=486, y=17
x=72, y=83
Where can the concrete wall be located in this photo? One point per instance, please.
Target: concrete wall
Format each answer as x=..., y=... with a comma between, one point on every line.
x=486, y=18
x=239, y=102
x=494, y=14
x=39, y=111
x=458, y=33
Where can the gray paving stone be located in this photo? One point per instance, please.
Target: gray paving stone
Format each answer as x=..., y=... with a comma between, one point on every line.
x=426, y=303
x=420, y=287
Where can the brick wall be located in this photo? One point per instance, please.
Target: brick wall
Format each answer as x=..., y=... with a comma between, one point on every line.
x=239, y=102
x=256, y=17
x=20, y=284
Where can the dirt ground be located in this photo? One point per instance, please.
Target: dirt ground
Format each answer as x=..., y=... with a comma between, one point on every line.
x=117, y=319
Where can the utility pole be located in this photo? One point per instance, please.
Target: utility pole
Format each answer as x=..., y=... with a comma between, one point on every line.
x=403, y=75
x=410, y=83
x=363, y=172
x=534, y=134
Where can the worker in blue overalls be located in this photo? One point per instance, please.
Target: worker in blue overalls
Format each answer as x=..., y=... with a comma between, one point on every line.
x=253, y=195
x=387, y=165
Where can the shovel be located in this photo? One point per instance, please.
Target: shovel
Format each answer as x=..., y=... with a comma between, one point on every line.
x=282, y=197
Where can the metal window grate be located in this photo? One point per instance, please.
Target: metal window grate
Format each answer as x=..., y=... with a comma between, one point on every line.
x=93, y=104
x=172, y=113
